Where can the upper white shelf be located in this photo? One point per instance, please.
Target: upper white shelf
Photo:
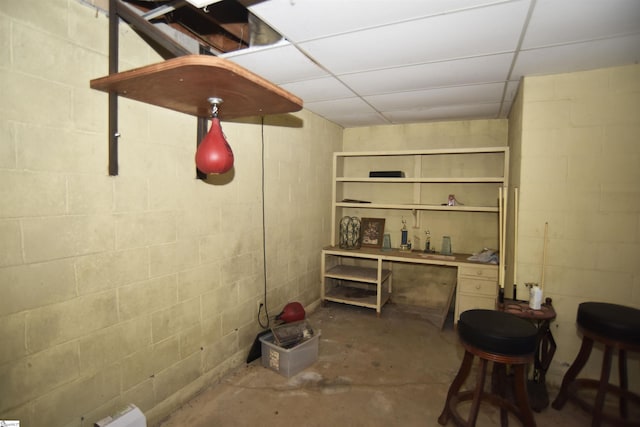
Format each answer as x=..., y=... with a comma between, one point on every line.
x=425, y=180
x=422, y=152
x=418, y=207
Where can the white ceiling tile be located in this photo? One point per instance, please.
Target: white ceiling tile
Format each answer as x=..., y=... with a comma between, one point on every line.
x=428, y=40
x=322, y=89
x=473, y=94
x=483, y=111
x=346, y=112
x=483, y=69
x=417, y=60
x=578, y=56
x=280, y=64
x=558, y=22
x=357, y=119
x=300, y=20
x=341, y=106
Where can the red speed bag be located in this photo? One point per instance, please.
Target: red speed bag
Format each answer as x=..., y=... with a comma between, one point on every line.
x=291, y=312
x=214, y=155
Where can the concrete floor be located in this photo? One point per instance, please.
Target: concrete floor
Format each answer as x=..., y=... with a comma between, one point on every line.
x=389, y=371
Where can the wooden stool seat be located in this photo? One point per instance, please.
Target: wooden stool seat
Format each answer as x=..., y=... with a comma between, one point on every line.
x=618, y=328
x=501, y=338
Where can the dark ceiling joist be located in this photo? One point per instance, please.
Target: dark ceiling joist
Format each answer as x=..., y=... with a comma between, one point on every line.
x=239, y=29
x=222, y=26
x=149, y=30
x=163, y=9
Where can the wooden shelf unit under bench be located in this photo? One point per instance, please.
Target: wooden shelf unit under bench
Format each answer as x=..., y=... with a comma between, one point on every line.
x=363, y=277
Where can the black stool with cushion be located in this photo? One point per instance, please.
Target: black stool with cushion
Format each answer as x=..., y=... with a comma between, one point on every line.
x=618, y=328
x=501, y=338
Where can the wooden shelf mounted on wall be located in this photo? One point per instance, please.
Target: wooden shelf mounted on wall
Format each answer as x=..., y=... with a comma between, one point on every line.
x=186, y=83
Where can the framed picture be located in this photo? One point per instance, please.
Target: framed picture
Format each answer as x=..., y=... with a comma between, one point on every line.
x=372, y=231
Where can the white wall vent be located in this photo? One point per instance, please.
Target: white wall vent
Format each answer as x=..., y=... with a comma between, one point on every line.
x=129, y=416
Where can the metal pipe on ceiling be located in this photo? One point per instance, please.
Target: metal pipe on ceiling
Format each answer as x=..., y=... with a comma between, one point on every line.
x=164, y=9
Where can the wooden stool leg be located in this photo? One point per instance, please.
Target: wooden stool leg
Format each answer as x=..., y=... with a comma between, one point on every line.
x=477, y=394
x=602, y=388
x=462, y=375
x=624, y=383
x=522, y=396
x=499, y=387
x=572, y=373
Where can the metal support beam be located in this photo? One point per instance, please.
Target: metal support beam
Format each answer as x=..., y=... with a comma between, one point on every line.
x=113, y=97
x=118, y=10
x=202, y=131
x=202, y=127
x=149, y=30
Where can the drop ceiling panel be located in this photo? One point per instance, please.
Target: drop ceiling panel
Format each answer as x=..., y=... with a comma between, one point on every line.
x=555, y=22
x=448, y=112
x=280, y=64
x=343, y=106
x=322, y=89
x=370, y=62
x=473, y=94
x=578, y=56
x=427, y=40
x=356, y=119
x=492, y=68
x=301, y=20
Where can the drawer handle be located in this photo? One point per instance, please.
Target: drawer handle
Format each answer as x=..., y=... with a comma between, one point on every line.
x=477, y=286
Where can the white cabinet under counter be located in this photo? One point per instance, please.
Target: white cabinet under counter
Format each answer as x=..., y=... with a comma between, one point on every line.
x=477, y=288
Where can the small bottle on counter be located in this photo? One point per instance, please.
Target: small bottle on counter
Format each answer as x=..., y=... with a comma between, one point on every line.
x=535, y=299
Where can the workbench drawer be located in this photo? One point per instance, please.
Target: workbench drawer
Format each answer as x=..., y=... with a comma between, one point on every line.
x=478, y=287
x=479, y=271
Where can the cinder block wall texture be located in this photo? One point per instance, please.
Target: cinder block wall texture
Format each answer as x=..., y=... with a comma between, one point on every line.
x=578, y=152
x=140, y=288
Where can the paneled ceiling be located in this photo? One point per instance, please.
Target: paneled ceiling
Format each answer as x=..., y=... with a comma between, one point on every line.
x=375, y=62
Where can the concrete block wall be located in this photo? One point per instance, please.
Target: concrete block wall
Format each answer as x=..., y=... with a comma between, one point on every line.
x=578, y=171
x=140, y=288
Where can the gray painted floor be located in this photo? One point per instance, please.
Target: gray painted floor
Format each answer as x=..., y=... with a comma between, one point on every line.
x=389, y=371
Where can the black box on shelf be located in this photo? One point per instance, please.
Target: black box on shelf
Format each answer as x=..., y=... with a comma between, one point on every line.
x=386, y=174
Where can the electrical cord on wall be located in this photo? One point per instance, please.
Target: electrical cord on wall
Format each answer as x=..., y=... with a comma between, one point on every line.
x=264, y=237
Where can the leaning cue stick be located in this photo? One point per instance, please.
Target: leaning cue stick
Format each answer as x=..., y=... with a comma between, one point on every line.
x=515, y=241
x=500, y=248
x=504, y=234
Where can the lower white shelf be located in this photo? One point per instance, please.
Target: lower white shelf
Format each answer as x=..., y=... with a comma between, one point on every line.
x=358, y=294
x=357, y=274
x=362, y=285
